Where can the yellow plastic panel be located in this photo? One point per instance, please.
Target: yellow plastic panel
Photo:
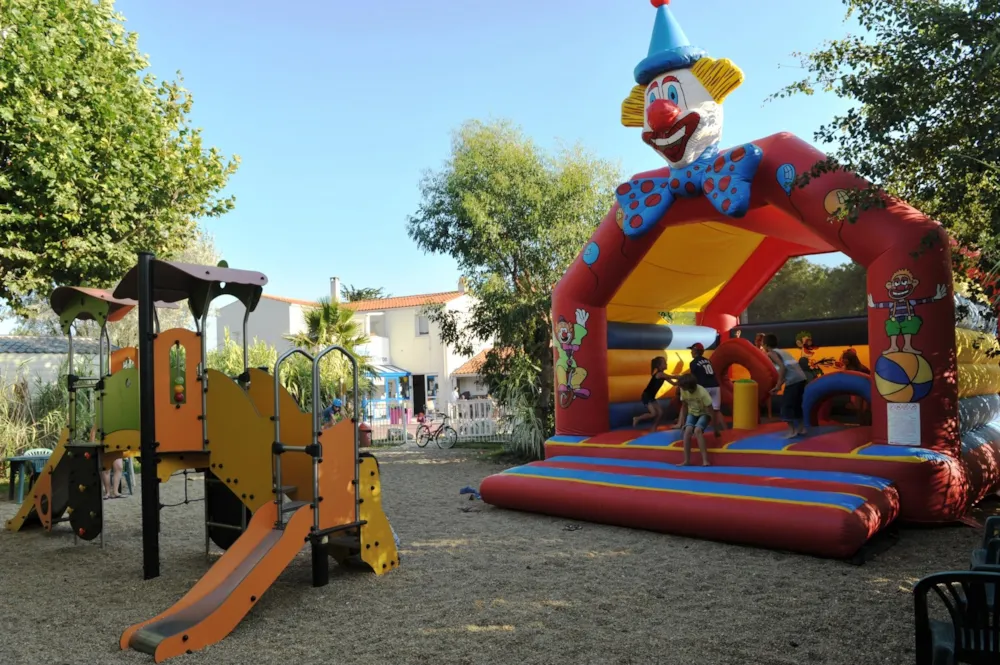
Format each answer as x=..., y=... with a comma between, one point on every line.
x=296, y=430
x=124, y=440
x=31, y=507
x=239, y=442
x=630, y=362
x=978, y=380
x=683, y=271
x=976, y=348
x=378, y=546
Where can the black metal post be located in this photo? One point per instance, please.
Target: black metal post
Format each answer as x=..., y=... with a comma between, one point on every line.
x=320, y=562
x=147, y=422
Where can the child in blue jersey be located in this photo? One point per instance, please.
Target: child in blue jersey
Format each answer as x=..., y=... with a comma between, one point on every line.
x=657, y=375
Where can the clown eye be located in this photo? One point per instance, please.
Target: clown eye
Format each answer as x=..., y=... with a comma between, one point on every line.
x=672, y=94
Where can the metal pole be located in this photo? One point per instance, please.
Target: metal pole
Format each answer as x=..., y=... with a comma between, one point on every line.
x=71, y=387
x=278, y=494
x=202, y=378
x=246, y=353
x=147, y=421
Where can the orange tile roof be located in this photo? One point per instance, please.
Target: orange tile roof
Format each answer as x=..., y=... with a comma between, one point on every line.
x=381, y=303
x=403, y=301
x=473, y=365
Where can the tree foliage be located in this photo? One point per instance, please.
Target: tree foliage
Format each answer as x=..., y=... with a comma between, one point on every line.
x=805, y=290
x=37, y=317
x=355, y=293
x=924, y=125
x=326, y=325
x=513, y=218
x=97, y=158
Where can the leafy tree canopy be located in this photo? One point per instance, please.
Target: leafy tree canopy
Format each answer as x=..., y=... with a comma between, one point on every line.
x=97, y=158
x=513, y=218
x=804, y=290
x=355, y=293
x=924, y=128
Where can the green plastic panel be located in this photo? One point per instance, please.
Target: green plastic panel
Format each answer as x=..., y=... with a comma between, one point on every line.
x=121, y=400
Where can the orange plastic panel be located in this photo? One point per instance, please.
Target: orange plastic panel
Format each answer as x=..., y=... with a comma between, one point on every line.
x=336, y=476
x=178, y=428
x=120, y=356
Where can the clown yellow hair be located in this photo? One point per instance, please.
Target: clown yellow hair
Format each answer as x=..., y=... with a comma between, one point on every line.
x=720, y=77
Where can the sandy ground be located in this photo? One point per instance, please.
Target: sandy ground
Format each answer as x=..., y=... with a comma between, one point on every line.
x=483, y=586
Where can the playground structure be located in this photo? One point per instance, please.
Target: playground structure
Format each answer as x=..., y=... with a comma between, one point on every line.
x=274, y=480
x=705, y=235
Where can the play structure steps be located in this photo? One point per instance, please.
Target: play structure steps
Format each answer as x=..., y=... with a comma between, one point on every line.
x=286, y=489
x=292, y=506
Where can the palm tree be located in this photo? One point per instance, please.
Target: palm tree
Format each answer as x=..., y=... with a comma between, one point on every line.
x=327, y=324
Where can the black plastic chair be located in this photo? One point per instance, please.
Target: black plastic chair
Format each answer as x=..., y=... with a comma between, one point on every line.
x=991, y=534
x=973, y=634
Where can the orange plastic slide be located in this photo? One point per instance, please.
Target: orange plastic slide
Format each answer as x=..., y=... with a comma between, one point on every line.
x=227, y=592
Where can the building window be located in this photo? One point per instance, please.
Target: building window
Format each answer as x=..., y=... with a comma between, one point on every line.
x=376, y=325
x=432, y=386
x=423, y=325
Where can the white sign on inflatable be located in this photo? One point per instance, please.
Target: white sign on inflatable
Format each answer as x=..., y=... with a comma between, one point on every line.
x=904, y=424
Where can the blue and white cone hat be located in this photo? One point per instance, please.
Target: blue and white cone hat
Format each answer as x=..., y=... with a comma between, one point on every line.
x=669, y=47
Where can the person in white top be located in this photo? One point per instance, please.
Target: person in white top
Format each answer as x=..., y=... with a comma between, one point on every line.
x=791, y=376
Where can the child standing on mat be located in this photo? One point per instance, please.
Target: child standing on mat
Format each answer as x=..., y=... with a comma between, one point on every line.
x=704, y=374
x=696, y=410
x=657, y=371
x=790, y=375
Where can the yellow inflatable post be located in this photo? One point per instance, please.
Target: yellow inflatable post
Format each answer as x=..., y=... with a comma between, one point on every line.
x=745, y=413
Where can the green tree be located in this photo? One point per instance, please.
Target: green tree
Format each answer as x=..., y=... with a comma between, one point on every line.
x=98, y=159
x=513, y=218
x=37, y=317
x=228, y=358
x=356, y=293
x=805, y=290
x=922, y=128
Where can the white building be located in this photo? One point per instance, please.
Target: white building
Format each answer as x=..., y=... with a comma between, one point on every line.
x=405, y=346
x=40, y=359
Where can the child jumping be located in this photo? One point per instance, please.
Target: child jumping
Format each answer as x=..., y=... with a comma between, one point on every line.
x=696, y=407
x=657, y=367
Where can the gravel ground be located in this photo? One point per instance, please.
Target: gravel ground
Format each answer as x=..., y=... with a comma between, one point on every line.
x=477, y=586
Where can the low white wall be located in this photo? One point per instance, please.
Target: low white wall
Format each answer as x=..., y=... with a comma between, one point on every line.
x=40, y=367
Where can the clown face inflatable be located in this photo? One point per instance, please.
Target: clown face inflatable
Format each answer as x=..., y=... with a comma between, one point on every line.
x=682, y=120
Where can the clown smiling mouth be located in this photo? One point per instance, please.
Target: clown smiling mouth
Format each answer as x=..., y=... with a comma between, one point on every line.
x=673, y=142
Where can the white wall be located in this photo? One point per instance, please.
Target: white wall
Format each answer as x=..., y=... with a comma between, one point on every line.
x=270, y=322
x=472, y=385
x=452, y=360
x=42, y=367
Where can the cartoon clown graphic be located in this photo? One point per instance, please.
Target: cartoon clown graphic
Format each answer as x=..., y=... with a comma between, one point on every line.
x=678, y=105
x=569, y=375
x=903, y=320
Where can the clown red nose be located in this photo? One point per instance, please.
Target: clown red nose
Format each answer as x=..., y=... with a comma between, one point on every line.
x=662, y=114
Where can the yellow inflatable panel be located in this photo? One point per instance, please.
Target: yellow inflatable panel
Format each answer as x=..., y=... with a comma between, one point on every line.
x=976, y=348
x=239, y=442
x=630, y=362
x=629, y=388
x=978, y=380
x=378, y=545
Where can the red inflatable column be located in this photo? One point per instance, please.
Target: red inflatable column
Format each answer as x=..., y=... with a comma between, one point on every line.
x=581, y=368
x=911, y=335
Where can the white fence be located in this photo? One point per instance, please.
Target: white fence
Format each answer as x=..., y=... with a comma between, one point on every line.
x=478, y=420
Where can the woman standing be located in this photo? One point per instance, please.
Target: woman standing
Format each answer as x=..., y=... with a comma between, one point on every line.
x=791, y=376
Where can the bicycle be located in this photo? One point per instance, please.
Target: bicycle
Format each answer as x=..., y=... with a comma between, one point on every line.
x=444, y=435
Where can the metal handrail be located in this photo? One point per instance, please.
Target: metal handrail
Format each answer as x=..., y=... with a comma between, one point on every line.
x=278, y=495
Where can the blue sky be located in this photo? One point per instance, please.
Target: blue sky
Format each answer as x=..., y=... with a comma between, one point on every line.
x=336, y=108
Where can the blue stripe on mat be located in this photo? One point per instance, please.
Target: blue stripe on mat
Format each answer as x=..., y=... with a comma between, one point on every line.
x=793, y=474
x=903, y=451
x=563, y=438
x=776, y=440
x=733, y=490
x=660, y=439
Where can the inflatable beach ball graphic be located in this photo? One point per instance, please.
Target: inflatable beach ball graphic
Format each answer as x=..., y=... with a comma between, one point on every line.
x=903, y=377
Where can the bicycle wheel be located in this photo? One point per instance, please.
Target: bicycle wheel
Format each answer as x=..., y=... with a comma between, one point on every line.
x=447, y=437
x=423, y=435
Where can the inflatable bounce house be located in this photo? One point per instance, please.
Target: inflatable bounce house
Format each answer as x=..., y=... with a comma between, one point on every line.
x=704, y=235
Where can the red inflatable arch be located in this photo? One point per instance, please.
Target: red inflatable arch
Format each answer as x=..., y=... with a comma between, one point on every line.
x=738, y=351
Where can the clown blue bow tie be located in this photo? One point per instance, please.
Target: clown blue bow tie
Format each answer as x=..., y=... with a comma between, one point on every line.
x=723, y=178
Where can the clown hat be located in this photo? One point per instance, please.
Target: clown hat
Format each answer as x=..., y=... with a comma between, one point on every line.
x=668, y=49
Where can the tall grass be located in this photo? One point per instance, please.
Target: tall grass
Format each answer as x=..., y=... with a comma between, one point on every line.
x=519, y=392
